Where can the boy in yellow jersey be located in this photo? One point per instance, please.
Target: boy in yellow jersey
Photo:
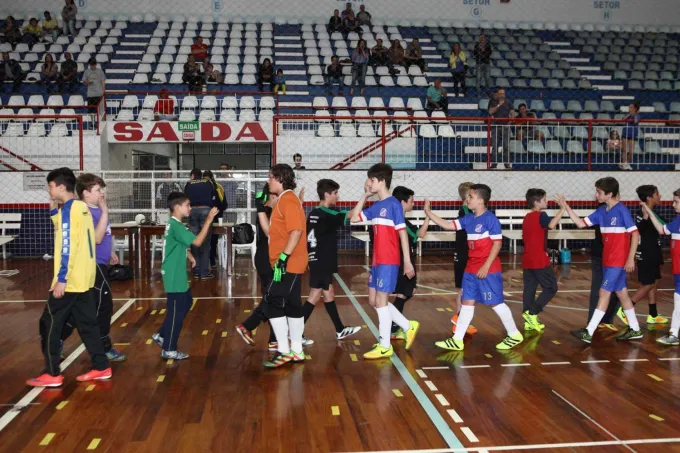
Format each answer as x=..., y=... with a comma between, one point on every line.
x=71, y=293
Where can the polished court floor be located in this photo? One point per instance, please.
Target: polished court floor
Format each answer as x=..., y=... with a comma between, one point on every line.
x=551, y=393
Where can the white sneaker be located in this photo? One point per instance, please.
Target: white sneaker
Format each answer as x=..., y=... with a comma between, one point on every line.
x=157, y=339
x=307, y=341
x=347, y=331
x=175, y=355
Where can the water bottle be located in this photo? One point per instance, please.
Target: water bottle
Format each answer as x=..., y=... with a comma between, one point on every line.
x=565, y=256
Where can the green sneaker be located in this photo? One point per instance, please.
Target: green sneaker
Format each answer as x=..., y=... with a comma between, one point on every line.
x=629, y=334
x=531, y=322
x=583, y=335
x=510, y=342
x=622, y=316
x=278, y=360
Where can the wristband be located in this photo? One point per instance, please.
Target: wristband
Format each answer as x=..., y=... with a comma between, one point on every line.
x=283, y=257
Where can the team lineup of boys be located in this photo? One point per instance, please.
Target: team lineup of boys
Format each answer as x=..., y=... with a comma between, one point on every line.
x=288, y=244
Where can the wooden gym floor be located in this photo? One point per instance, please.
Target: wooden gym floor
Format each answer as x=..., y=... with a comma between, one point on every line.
x=550, y=393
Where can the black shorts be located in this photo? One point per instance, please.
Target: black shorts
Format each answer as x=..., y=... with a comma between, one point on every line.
x=405, y=286
x=648, y=274
x=459, y=270
x=320, y=278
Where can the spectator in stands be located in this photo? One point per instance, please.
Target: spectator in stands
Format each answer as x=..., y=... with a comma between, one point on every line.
x=95, y=81
x=437, y=98
x=334, y=74
x=50, y=27
x=11, y=32
x=266, y=75
x=629, y=134
x=202, y=195
x=199, y=49
x=482, y=54
x=297, y=159
x=396, y=55
x=459, y=67
x=164, y=109
x=279, y=82
x=11, y=70
x=68, y=76
x=359, y=66
x=68, y=17
x=350, y=24
x=500, y=107
x=347, y=11
x=335, y=22
x=614, y=142
x=192, y=74
x=49, y=72
x=32, y=32
x=414, y=55
x=379, y=54
x=363, y=16
x=165, y=188
x=526, y=130
x=210, y=74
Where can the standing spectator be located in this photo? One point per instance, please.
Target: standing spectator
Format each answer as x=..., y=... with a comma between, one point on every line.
x=437, y=98
x=68, y=17
x=280, y=82
x=347, y=11
x=11, y=32
x=266, y=75
x=414, y=55
x=334, y=74
x=297, y=159
x=165, y=188
x=459, y=67
x=199, y=49
x=350, y=24
x=396, y=55
x=11, y=70
x=49, y=71
x=482, y=53
x=363, y=16
x=500, y=107
x=164, y=110
x=359, y=65
x=629, y=134
x=49, y=26
x=335, y=22
x=527, y=129
x=221, y=204
x=379, y=54
x=202, y=196
x=32, y=32
x=192, y=74
x=210, y=74
x=68, y=76
x=95, y=81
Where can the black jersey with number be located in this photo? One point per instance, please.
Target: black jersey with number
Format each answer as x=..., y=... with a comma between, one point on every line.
x=650, y=242
x=322, y=237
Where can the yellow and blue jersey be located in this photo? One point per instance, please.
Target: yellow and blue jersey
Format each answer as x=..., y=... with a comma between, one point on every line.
x=74, y=247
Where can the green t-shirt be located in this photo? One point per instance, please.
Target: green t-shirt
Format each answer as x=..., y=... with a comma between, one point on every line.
x=174, y=268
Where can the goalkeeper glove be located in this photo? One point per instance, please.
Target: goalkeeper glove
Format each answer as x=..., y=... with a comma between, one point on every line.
x=280, y=267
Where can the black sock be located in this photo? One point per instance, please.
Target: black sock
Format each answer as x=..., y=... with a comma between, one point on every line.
x=307, y=310
x=652, y=311
x=272, y=335
x=332, y=310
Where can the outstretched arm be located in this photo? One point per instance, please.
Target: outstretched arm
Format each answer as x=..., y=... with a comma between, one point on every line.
x=445, y=224
x=578, y=221
x=558, y=217
x=658, y=225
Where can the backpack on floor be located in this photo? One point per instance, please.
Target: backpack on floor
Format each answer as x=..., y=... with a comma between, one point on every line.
x=243, y=234
x=120, y=272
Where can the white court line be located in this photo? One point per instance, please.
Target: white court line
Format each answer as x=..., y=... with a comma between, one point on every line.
x=475, y=366
x=421, y=373
x=469, y=434
x=515, y=364
x=670, y=358
x=556, y=363
x=634, y=360
x=34, y=392
x=431, y=386
x=594, y=361
x=441, y=399
x=436, y=368
x=454, y=415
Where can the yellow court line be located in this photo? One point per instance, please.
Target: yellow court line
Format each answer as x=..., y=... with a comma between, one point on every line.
x=193, y=303
x=488, y=356
x=655, y=417
x=61, y=405
x=353, y=357
x=170, y=361
x=94, y=444
x=357, y=342
x=124, y=324
x=47, y=439
x=153, y=312
x=246, y=311
x=397, y=393
x=121, y=344
x=440, y=309
x=556, y=342
x=218, y=321
x=90, y=388
x=308, y=357
x=140, y=308
x=161, y=378
x=655, y=377
x=162, y=311
x=148, y=341
x=255, y=331
x=449, y=309
x=335, y=410
x=224, y=334
x=205, y=332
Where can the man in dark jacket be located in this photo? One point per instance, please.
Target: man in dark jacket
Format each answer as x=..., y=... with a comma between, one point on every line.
x=202, y=195
x=482, y=54
x=11, y=70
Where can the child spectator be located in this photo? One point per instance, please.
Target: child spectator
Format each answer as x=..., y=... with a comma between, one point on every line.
x=50, y=27
x=280, y=82
x=32, y=32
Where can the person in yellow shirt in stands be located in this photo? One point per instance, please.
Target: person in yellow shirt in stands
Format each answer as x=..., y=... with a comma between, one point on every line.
x=71, y=293
x=32, y=32
x=50, y=27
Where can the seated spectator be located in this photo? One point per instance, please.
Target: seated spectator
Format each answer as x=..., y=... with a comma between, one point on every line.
x=363, y=16
x=359, y=66
x=527, y=130
x=279, y=82
x=68, y=76
x=414, y=55
x=32, y=32
x=95, y=81
x=50, y=27
x=335, y=22
x=614, y=142
x=379, y=54
x=459, y=67
x=347, y=11
x=350, y=24
x=396, y=55
x=68, y=17
x=49, y=71
x=11, y=70
x=210, y=74
x=334, y=74
x=265, y=75
x=199, y=50
x=164, y=109
x=436, y=98
x=192, y=74
x=11, y=32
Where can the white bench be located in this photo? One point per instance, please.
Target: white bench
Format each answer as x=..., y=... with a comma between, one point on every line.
x=8, y=222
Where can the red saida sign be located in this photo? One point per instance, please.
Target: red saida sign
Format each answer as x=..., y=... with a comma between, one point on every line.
x=168, y=132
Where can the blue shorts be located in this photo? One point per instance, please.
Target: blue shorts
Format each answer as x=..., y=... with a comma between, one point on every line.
x=614, y=279
x=676, y=279
x=488, y=291
x=384, y=277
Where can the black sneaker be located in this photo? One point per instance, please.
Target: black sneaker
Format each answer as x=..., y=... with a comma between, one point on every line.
x=630, y=334
x=208, y=276
x=583, y=335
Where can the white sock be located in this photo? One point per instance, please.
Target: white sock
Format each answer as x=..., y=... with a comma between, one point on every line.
x=632, y=319
x=297, y=327
x=675, y=320
x=384, y=326
x=464, y=320
x=595, y=321
x=280, y=326
x=503, y=312
x=398, y=318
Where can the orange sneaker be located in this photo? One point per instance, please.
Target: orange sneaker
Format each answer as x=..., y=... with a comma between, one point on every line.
x=470, y=330
x=95, y=375
x=46, y=380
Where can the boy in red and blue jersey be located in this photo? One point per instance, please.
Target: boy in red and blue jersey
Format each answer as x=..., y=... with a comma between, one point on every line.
x=620, y=237
x=389, y=233
x=482, y=280
x=673, y=230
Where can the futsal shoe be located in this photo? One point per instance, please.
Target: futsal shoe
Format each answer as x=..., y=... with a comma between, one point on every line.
x=46, y=380
x=611, y=327
x=531, y=322
x=398, y=335
x=583, y=335
x=95, y=375
x=471, y=330
x=278, y=359
x=298, y=356
x=622, y=315
x=378, y=352
x=657, y=319
x=451, y=344
x=174, y=355
x=411, y=334
x=246, y=334
x=307, y=341
x=629, y=334
x=347, y=331
x=669, y=340
x=115, y=356
x=157, y=339
x=510, y=342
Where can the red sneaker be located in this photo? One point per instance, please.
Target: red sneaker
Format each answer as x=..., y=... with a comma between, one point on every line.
x=95, y=375
x=46, y=380
x=246, y=334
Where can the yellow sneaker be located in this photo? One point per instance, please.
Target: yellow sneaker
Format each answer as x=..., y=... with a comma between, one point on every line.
x=657, y=320
x=510, y=341
x=611, y=327
x=398, y=335
x=622, y=316
x=451, y=344
x=411, y=333
x=378, y=352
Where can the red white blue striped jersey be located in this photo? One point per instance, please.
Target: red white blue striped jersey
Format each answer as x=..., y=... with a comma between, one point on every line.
x=388, y=218
x=482, y=232
x=673, y=230
x=616, y=225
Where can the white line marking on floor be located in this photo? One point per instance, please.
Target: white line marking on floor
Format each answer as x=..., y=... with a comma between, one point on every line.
x=454, y=415
x=669, y=358
x=469, y=434
x=556, y=363
x=431, y=386
x=421, y=373
x=436, y=368
x=594, y=361
x=634, y=360
x=441, y=399
x=515, y=364
x=475, y=366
